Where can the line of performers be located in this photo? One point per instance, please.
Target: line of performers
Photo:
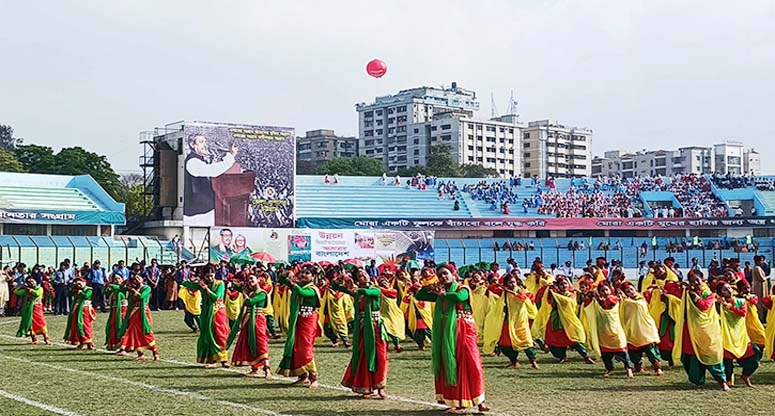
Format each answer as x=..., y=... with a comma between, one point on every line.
x=708, y=328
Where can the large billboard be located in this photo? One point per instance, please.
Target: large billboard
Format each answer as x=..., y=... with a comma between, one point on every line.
x=238, y=175
x=319, y=245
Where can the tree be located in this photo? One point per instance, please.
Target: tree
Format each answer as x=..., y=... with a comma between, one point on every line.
x=138, y=205
x=307, y=167
x=77, y=161
x=352, y=166
x=36, y=159
x=7, y=141
x=9, y=163
x=471, y=170
x=441, y=164
x=70, y=161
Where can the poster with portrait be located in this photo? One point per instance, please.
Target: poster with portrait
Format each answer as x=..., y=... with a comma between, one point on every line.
x=227, y=242
x=238, y=175
x=299, y=247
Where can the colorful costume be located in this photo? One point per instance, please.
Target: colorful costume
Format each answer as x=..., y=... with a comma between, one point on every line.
x=136, y=330
x=192, y=305
x=606, y=335
x=698, y=343
x=737, y=344
x=640, y=330
x=333, y=316
x=214, y=325
x=457, y=367
x=118, y=306
x=769, y=333
x=395, y=326
x=253, y=342
x=281, y=305
x=418, y=316
x=663, y=307
x=303, y=327
x=33, y=321
x=367, y=370
x=79, y=322
x=507, y=326
x=558, y=325
x=753, y=325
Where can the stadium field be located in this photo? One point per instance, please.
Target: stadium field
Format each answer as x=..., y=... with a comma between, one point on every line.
x=57, y=379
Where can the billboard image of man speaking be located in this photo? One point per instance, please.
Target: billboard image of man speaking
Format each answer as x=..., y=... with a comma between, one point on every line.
x=238, y=175
x=199, y=170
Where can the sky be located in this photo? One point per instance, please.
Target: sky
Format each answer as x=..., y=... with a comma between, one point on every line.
x=641, y=74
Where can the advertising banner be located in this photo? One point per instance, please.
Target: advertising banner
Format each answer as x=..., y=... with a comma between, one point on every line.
x=244, y=244
x=540, y=223
x=238, y=175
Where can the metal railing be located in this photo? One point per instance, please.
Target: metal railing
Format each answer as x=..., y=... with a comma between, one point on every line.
x=51, y=250
x=630, y=256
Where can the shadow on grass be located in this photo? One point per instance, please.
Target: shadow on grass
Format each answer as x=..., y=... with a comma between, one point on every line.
x=373, y=412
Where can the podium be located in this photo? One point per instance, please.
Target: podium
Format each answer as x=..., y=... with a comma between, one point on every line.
x=232, y=196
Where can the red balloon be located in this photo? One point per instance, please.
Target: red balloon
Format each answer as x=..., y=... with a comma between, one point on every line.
x=376, y=68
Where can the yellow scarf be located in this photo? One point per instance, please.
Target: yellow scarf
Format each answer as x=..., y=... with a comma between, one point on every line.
x=480, y=306
x=704, y=332
x=519, y=324
x=281, y=304
x=533, y=284
x=754, y=326
x=412, y=308
x=605, y=328
x=733, y=331
x=193, y=303
x=566, y=308
x=638, y=324
x=233, y=306
x=769, y=334
x=651, y=279
x=392, y=317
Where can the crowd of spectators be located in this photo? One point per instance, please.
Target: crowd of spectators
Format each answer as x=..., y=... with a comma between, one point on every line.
x=732, y=181
x=575, y=204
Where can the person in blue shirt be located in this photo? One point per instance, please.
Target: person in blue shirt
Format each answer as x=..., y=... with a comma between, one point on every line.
x=372, y=270
x=97, y=278
x=122, y=269
x=59, y=281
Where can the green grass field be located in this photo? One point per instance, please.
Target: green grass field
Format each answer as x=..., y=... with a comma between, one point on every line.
x=97, y=383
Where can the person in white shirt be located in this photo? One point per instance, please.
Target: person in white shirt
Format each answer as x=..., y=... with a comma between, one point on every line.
x=567, y=270
x=199, y=207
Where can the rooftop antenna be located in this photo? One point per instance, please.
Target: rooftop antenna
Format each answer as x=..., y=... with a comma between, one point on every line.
x=512, y=109
x=493, y=107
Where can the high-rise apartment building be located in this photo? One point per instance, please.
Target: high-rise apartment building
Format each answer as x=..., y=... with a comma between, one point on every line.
x=323, y=145
x=552, y=149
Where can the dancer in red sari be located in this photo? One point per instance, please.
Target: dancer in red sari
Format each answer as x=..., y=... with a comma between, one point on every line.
x=253, y=342
x=303, y=327
x=457, y=367
x=367, y=371
x=33, y=321
x=136, y=331
x=79, y=322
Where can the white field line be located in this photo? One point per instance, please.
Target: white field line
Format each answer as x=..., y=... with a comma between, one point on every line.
x=9, y=321
x=156, y=389
x=39, y=405
x=278, y=377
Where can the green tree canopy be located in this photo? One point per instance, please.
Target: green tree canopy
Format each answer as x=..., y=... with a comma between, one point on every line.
x=352, y=166
x=138, y=205
x=471, y=170
x=9, y=163
x=7, y=141
x=440, y=162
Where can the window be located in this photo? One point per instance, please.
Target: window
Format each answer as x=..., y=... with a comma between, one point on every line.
x=527, y=154
x=400, y=129
x=417, y=152
x=391, y=110
x=379, y=122
x=491, y=139
x=446, y=137
x=379, y=132
x=379, y=141
x=479, y=149
x=433, y=128
x=490, y=160
x=527, y=135
x=502, y=130
x=416, y=141
x=368, y=143
x=526, y=146
x=471, y=137
x=68, y=229
x=527, y=165
x=370, y=152
x=511, y=130
x=417, y=161
x=401, y=119
x=368, y=133
x=378, y=112
x=391, y=130
x=368, y=114
x=378, y=150
x=490, y=128
x=470, y=148
x=416, y=130
x=402, y=109
x=368, y=124
x=470, y=158
x=391, y=120
x=446, y=126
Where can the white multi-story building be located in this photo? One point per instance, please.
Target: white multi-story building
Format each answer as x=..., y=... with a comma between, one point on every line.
x=493, y=143
x=692, y=159
x=383, y=126
x=729, y=157
x=551, y=149
x=752, y=162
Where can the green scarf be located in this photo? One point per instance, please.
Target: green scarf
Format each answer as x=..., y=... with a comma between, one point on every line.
x=371, y=303
x=28, y=305
x=143, y=298
x=248, y=307
x=444, y=337
x=81, y=296
x=285, y=363
x=118, y=318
